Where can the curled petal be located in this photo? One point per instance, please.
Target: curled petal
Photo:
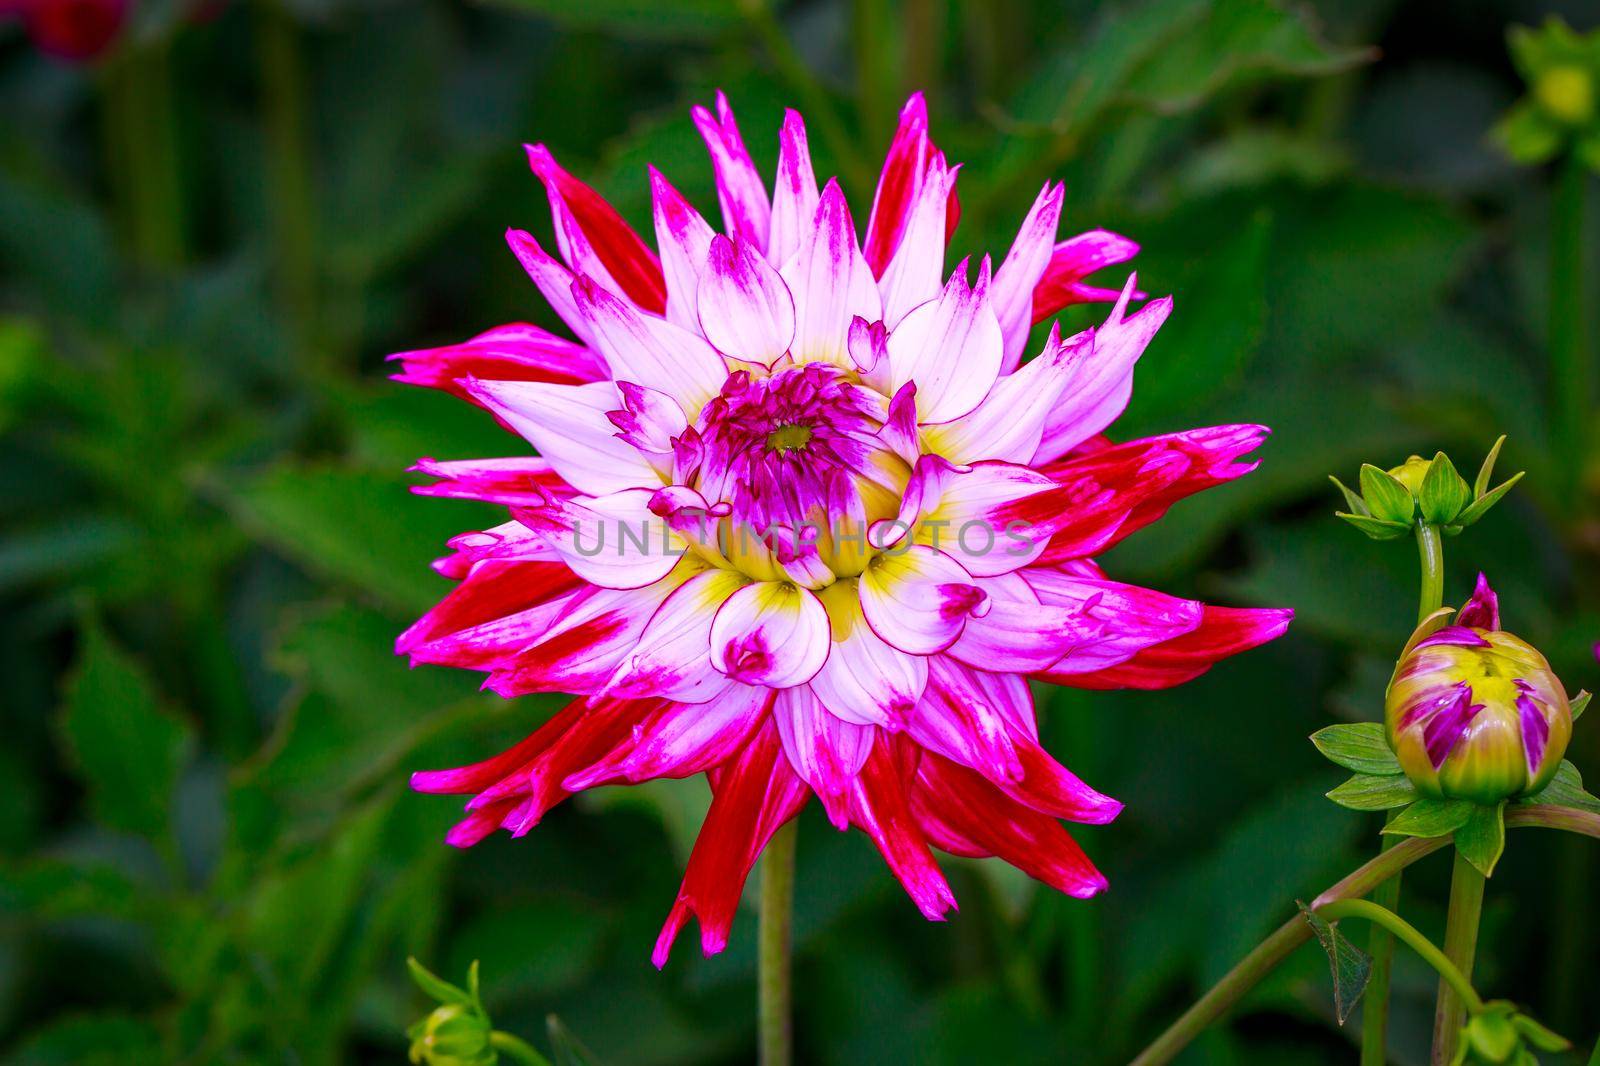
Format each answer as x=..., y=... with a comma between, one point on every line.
x=770, y=633
x=745, y=308
x=1482, y=611
x=673, y=653
x=919, y=600
x=514, y=352
x=880, y=806
x=1073, y=260
x=519, y=481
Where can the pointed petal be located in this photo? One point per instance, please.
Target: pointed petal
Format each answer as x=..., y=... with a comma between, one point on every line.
x=1482, y=611
x=905, y=170
x=753, y=796
x=626, y=258
x=880, y=806
x=965, y=512
x=582, y=646
x=685, y=242
x=1127, y=619
x=1223, y=631
x=1073, y=260
x=745, y=208
x=650, y=351
x=913, y=275
x=827, y=752
x=514, y=352
x=794, y=200
x=950, y=347
x=745, y=309
x=1024, y=265
x=553, y=280
x=831, y=283
x=681, y=739
x=568, y=424
x=500, y=607
x=518, y=481
x=673, y=657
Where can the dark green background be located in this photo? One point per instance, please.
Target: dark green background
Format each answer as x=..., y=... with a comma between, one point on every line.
x=210, y=241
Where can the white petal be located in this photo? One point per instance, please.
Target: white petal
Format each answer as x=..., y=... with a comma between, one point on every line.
x=831, y=283
x=568, y=424
x=951, y=347
x=772, y=633
x=918, y=600
x=650, y=351
x=746, y=311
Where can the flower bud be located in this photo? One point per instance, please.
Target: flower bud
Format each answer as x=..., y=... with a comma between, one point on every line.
x=1392, y=501
x=1567, y=93
x=455, y=1034
x=1474, y=712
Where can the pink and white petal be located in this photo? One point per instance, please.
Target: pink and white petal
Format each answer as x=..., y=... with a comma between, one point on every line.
x=865, y=680
x=583, y=646
x=1073, y=260
x=685, y=242
x=745, y=309
x=1024, y=264
x=740, y=191
x=498, y=608
x=794, y=199
x=827, y=752
x=1019, y=633
x=868, y=347
x=568, y=424
x=904, y=173
x=1130, y=618
x=513, y=352
x=681, y=739
x=553, y=280
x=968, y=717
x=915, y=270
x=673, y=657
x=951, y=348
x=650, y=351
x=649, y=422
x=1223, y=631
x=879, y=804
x=509, y=542
x=918, y=599
x=1009, y=423
x=518, y=481
x=614, y=541
x=752, y=796
x=965, y=512
x=596, y=226
x=1101, y=388
x=771, y=633
x=831, y=284
x=965, y=815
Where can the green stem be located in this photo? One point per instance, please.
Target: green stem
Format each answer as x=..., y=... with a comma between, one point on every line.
x=1277, y=947
x=1404, y=930
x=1380, y=944
x=1430, y=549
x=773, y=947
x=1571, y=365
x=1460, y=945
x=517, y=1048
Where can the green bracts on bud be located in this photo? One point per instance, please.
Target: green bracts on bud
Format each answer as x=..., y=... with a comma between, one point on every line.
x=1392, y=502
x=458, y=1032
x=1500, y=1035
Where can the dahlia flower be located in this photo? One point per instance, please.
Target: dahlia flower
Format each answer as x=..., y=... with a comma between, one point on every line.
x=804, y=520
x=1474, y=712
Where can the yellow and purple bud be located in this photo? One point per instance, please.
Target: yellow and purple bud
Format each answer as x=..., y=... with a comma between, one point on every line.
x=1476, y=713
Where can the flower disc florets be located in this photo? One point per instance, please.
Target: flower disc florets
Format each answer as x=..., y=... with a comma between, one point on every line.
x=1476, y=713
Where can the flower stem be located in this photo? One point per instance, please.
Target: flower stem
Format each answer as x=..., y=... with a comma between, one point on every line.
x=1296, y=931
x=1571, y=366
x=516, y=1048
x=772, y=966
x=1404, y=930
x=1380, y=945
x=1460, y=945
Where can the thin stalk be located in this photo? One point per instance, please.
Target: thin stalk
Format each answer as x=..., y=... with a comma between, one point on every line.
x=1281, y=944
x=1572, y=371
x=516, y=1048
x=1460, y=945
x=773, y=947
x=1405, y=931
x=289, y=185
x=1380, y=944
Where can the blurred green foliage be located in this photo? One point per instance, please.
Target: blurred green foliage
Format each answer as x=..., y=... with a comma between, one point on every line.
x=209, y=241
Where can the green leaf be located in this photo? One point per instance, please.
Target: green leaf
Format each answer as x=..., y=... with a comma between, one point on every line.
x=1387, y=498
x=358, y=527
x=1480, y=507
x=1444, y=492
x=1358, y=746
x=1351, y=967
x=1429, y=817
x=1538, y=1035
x=127, y=748
x=1376, y=528
x=1352, y=500
x=1579, y=704
x=1564, y=790
x=1480, y=484
x=1483, y=838
x=1527, y=135
x=435, y=986
x=90, y=1040
x=1374, y=792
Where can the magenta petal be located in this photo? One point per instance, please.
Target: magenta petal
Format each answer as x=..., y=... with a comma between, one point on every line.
x=1482, y=611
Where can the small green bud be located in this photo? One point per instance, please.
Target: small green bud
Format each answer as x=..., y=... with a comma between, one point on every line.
x=453, y=1035
x=1392, y=501
x=1567, y=93
x=1500, y=1035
